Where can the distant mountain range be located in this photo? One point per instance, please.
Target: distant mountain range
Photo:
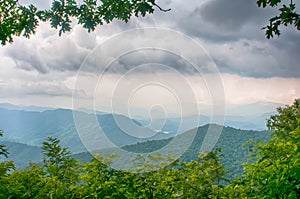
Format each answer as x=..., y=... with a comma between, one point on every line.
x=22, y=154
x=230, y=141
x=9, y=106
x=32, y=128
x=251, y=122
x=33, y=124
x=25, y=128
x=252, y=109
x=244, y=116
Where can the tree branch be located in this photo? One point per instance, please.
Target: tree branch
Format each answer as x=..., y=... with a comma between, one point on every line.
x=161, y=9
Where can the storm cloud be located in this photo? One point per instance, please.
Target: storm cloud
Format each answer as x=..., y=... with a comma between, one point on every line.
x=45, y=65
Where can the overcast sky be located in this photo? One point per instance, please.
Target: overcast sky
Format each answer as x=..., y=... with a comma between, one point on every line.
x=42, y=70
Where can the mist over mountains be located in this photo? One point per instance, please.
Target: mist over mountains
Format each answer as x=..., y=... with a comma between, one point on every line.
x=33, y=128
x=32, y=124
x=25, y=128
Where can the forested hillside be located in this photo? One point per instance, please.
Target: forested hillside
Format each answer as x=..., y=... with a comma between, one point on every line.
x=230, y=142
x=273, y=173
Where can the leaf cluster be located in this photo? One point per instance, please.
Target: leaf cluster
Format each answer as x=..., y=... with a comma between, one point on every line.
x=288, y=15
x=3, y=150
x=61, y=176
x=273, y=172
x=17, y=19
x=276, y=171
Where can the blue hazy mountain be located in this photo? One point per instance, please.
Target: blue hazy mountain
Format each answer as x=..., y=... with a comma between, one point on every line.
x=31, y=125
x=251, y=116
x=230, y=141
x=249, y=122
x=33, y=128
x=9, y=106
x=26, y=128
x=252, y=109
x=22, y=154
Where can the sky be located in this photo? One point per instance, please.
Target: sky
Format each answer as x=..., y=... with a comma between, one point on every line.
x=48, y=70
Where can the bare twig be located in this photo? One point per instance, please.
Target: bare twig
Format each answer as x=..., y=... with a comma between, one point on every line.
x=161, y=9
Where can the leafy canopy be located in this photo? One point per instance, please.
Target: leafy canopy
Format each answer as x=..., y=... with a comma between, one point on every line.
x=288, y=15
x=3, y=150
x=17, y=19
x=276, y=171
x=273, y=172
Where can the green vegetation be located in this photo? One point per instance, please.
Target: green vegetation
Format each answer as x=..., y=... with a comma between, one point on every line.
x=288, y=15
x=273, y=171
x=231, y=142
x=17, y=19
x=3, y=150
x=276, y=172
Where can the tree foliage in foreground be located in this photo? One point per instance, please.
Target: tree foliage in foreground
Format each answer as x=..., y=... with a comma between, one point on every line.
x=288, y=15
x=17, y=19
x=61, y=176
x=5, y=166
x=3, y=150
x=273, y=171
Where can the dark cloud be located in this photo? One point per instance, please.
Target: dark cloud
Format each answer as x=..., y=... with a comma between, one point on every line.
x=60, y=54
x=236, y=23
x=36, y=89
x=232, y=15
x=272, y=58
x=226, y=20
x=26, y=57
x=143, y=61
x=286, y=52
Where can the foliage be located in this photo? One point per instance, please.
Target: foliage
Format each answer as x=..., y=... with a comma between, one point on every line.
x=60, y=176
x=231, y=142
x=17, y=19
x=24, y=184
x=3, y=150
x=55, y=178
x=59, y=167
x=288, y=15
x=98, y=180
x=276, y=172
x=5, y=166
x=202, y=178
x=273, y=172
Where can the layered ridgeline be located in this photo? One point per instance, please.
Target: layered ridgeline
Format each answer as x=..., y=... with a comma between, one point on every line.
x=27, y=127
x=22, y=154
x=231, y=143
x=33, y=127
x=272, y=173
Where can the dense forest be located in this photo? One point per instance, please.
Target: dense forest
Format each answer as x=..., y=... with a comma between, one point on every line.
x=230, y=142
x=272, y=171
